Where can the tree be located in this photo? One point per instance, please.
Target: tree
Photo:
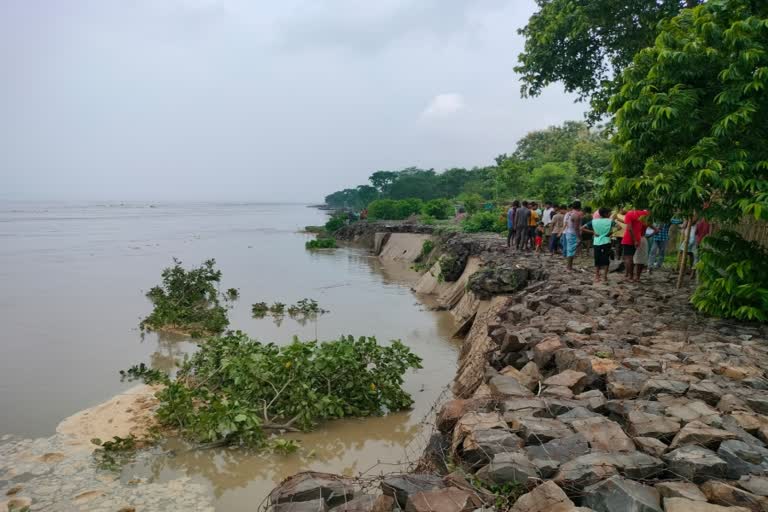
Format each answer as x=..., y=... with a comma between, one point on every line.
x=692, y=115
x=554, y=181
x=585, y=44
x=381, y=180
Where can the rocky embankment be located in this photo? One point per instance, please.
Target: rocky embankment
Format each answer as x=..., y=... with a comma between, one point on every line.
x=571, y=396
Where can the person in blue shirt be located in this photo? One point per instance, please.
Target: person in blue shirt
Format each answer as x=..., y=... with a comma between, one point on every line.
x=659, y=243
x=511, y=222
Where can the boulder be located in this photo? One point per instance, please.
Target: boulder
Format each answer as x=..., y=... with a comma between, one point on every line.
x=558, y=391
x=684, y=505
x=617, y=493
x=695, y=463
x=650, y=445
x=547, y=497
x=521, y=407
x=743, y=459
x=311, y=485
x=402, y=487
x=528, y=378
x=508, y=468
x=569, y=379
x=651, y=425
x=475, y=421
x=545, y=350
x=706, y=391
x=622, y=383
x=603, y=435
x=758, y=403
x=657, y=386
x=722, y=493
x=452, y=410
x=701, y=434
x=757, y=485
x=560, y=450
x=482, y=444
x=539, y=430
x=316, y=505
x=685, y=490
x=364, y=503
x=594, y=398
x=450, y=499
x=497, y=280
x=508, y=386
x=578, y=327
x=593, y=467
x=577, y=413
x=729, y=403
x=695, y=410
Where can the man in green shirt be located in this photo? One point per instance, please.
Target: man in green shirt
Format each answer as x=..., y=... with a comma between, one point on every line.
x=601, y=229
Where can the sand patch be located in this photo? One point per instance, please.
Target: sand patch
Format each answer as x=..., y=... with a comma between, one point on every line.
x=130, y=412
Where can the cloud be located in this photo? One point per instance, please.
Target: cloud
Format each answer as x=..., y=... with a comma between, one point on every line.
x=444, y=105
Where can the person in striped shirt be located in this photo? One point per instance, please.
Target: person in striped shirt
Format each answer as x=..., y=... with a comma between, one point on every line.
x=659, y=243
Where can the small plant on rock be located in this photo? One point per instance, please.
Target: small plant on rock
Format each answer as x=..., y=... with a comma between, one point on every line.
x=321, y=243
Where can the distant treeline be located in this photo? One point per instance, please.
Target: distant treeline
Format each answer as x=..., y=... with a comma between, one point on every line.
x=556, y=164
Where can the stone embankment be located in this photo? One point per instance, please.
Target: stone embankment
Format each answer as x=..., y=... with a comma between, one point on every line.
x=572, y=396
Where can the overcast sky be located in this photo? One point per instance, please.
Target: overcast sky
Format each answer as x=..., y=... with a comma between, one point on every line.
x=255, y=100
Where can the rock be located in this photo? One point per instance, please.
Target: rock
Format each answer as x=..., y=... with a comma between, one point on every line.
x=758, y=404
x=524, y=378
x=558, y=391
x=701, y=434
x=547, y=497
x=578, y=327
x=316, y=505
x=508, y=386
x=617, y=493
x=651, y=446
x=481, y=445
x=622, y=408
x=729, y=403
x=680, y=490
x=757, y=485
x=545, y=350
x=569, y=379
x=651, y=425
x=706, y=391
x=497, y=280
x=402, y=487
x=724, y=494
x=657, y=386
x=593, y=467
x=692, y=411
x=475, y=421
x=548, y=456
x=748, y=421
x=594, y=398
x=521, y=407
x=623, y=383
x=452, y=410
x=539, y=430
x=364, y=503
x=695, y=463
x=384, y=503
x=310, y=485
x=508, y=467
x=577, y=413
x=450, y=499
x=603, y=435
x=743, y=459
x=684, y=505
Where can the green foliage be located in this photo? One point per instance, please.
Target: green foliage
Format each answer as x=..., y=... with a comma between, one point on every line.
x=232, y=294
x=144, y=373
x=493, y=221
x=187, y=301
x=234, y=388
x=336, y=222
x=314, y=229
x=306, y=307
x=472, y=202
x=277, y=308
x=585, y=44
x=438, y=208
x=691, y=116
x=259, y=310
x=114, y=454
x=284, y=446
x=554, y=181
x=390, y=209
x=321, y=243
x=733, y=278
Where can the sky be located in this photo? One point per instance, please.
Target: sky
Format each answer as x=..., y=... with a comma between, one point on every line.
x=250, y=100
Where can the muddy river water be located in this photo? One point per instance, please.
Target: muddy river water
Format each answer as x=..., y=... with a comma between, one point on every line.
x=73, y=278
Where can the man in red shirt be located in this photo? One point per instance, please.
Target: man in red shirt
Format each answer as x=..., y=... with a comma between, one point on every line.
x=632, y=236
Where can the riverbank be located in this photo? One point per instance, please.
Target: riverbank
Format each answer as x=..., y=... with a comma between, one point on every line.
x=606, y=396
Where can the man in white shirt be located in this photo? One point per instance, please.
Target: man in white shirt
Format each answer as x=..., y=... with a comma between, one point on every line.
x=549, y=211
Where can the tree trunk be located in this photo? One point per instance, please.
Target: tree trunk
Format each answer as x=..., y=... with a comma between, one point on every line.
x=687, y=235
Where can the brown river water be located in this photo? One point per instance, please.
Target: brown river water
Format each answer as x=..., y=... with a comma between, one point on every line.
x=73, y=277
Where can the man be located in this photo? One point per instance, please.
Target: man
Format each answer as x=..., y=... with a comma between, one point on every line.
x=571, y=233
x=558, y=224
x=659, y=243
x=522, y=219
x=635, y=230
x=549, y=211
x=511, y=222
x=600, y=227
x=532, y=223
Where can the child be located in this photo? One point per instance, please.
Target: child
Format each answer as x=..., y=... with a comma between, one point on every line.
x=539, y=237
x=601, y=229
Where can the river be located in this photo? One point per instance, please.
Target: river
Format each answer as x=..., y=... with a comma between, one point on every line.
x=74, y=275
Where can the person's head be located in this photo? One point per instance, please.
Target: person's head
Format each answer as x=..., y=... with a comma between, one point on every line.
x=461, y=209
x=525, y=203
x=540, y=224
x=604, y=212
x=587, y=209
x=516, y=203
x=534, y=204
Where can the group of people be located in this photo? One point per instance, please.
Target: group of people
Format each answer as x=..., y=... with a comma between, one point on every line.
x=627, y=235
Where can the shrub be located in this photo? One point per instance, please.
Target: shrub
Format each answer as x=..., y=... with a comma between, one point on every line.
x=336, y=222
x=390, y=209
x=733, y=278
x=407, y=207
x=472, y=202
x=233, y=388
x=438, y=208
x=187, y=301
x=321, y=243
x=484, y=221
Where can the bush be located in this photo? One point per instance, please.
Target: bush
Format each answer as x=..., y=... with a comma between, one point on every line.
x=321, y=243
x=733, y=278
x=187, y=301
x=233, y=388
x=484, y=222
x=472, y=202
x=438, y=208
x=336, y=222
x=390, y=209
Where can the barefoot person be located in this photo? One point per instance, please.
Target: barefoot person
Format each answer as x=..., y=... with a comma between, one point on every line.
x=511, y=222
x=601, y=227
x=571, y=233
x=632, y=238
x=557, y=229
